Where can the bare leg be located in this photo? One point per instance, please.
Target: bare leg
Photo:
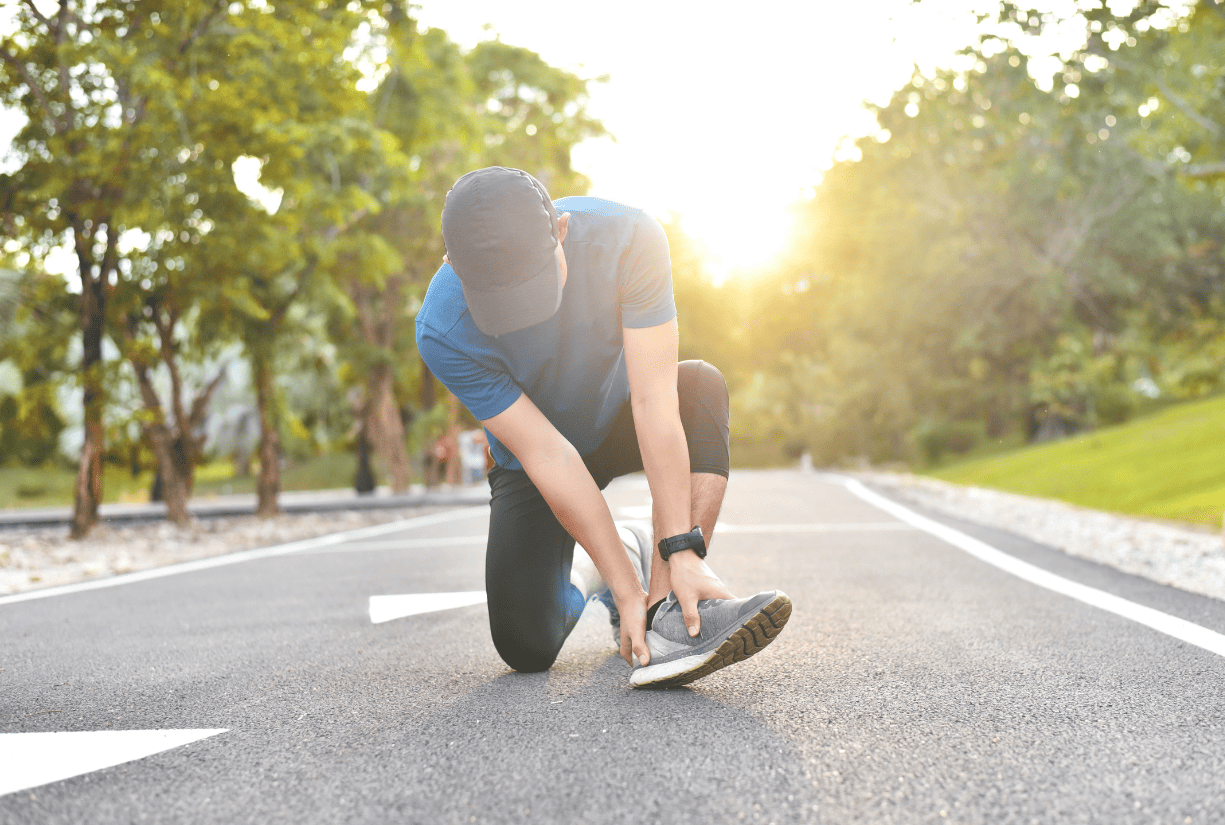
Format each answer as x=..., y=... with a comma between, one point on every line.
x=706, y=494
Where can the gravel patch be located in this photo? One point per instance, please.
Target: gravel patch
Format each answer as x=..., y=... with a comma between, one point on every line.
x=44, y=557
x=1185, y=557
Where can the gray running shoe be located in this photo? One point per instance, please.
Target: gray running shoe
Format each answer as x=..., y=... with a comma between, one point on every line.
x=636, y=537
x=732, y=631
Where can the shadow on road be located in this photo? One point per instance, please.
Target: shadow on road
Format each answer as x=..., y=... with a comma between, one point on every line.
x=577, y=744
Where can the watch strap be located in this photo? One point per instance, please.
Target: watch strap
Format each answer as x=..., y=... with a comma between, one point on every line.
x=692, y=540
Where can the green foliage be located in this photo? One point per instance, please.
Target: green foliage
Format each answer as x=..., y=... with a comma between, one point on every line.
x=1003, y=260
x=999, y=262
x=531, y=114
x=36, y=320
x=140, y=120
x=939, y=437
x=450, y=112
x=707, y=315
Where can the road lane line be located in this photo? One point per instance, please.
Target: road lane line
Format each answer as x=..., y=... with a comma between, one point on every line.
x=1162, y=622
x=816, y=527
x=250, y=555
x=33, y=759
x=400, y=544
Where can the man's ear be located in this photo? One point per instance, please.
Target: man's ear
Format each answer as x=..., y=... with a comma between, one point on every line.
x=563, y=223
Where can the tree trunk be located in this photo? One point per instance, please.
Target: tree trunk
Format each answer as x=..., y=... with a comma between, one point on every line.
x=177, y=473
x=175, y=487
x=385, y=429
x=268, y=485
x=455, y=467
x=429, y=457
x=427, y=387
x=88, y=491
x=173, y=482
x=177, y=461
x=363, y=482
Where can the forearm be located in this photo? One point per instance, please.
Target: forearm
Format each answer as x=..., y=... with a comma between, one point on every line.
x=665, y=458
x=570, y=491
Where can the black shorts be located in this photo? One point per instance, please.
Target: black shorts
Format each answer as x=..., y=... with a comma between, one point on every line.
x=532, y=605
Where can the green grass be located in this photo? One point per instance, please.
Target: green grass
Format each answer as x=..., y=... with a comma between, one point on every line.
x=53, y=486
x=323, y=472
x=1169, y=465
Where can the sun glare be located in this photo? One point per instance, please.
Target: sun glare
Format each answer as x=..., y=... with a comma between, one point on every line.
x=738, y=241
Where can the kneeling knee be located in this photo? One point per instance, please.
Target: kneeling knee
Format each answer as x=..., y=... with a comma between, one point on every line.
x=526, y=658
x=704, y=377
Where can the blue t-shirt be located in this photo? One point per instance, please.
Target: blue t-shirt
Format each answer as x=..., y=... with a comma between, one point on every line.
x=572, y=366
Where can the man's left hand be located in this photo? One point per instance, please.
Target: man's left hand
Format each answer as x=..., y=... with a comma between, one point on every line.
x=692, y=580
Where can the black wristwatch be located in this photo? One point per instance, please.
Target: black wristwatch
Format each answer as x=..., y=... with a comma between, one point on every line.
x=685, y=541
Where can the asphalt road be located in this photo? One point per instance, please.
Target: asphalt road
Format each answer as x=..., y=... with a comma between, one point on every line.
x=914, y=683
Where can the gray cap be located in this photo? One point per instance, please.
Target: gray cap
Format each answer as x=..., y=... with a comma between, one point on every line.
x=500, y=230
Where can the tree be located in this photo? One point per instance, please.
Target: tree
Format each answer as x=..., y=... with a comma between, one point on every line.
x=450, y=112
x=389, y=256
x=533, y=114
x=1002, y=258
x=36, y=324
x=1161, y=76
x=90, y=79
x=136, y=115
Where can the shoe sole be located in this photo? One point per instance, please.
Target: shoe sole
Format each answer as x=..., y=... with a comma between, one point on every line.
x=748, y=639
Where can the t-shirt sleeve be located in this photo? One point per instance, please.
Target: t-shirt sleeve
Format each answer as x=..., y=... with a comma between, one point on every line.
x=484, y=391
x=646, y=277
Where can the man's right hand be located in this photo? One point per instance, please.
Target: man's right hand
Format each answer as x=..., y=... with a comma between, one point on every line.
x=560, y=475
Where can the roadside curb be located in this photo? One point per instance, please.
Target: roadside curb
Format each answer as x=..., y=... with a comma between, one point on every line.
x=244, y=505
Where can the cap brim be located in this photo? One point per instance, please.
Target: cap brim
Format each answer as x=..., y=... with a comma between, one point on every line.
x=512, y=308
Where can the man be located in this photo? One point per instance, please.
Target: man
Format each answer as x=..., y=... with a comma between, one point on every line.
x=555, y=325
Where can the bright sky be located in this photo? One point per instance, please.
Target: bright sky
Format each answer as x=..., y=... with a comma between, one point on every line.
x=724, y=113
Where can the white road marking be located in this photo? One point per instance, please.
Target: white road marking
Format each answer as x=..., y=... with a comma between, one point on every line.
x=251, y=555
x=632, y=482
x=386, y=608
x=826, y=527
x=401, y=544
x=31, y=759
x=1162, y=622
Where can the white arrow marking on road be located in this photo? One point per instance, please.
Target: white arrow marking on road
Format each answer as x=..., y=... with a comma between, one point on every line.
x=1180, y=629
x=386, y=608
x=31, y=759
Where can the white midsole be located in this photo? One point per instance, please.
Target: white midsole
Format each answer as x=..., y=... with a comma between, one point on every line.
x=651, y=674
